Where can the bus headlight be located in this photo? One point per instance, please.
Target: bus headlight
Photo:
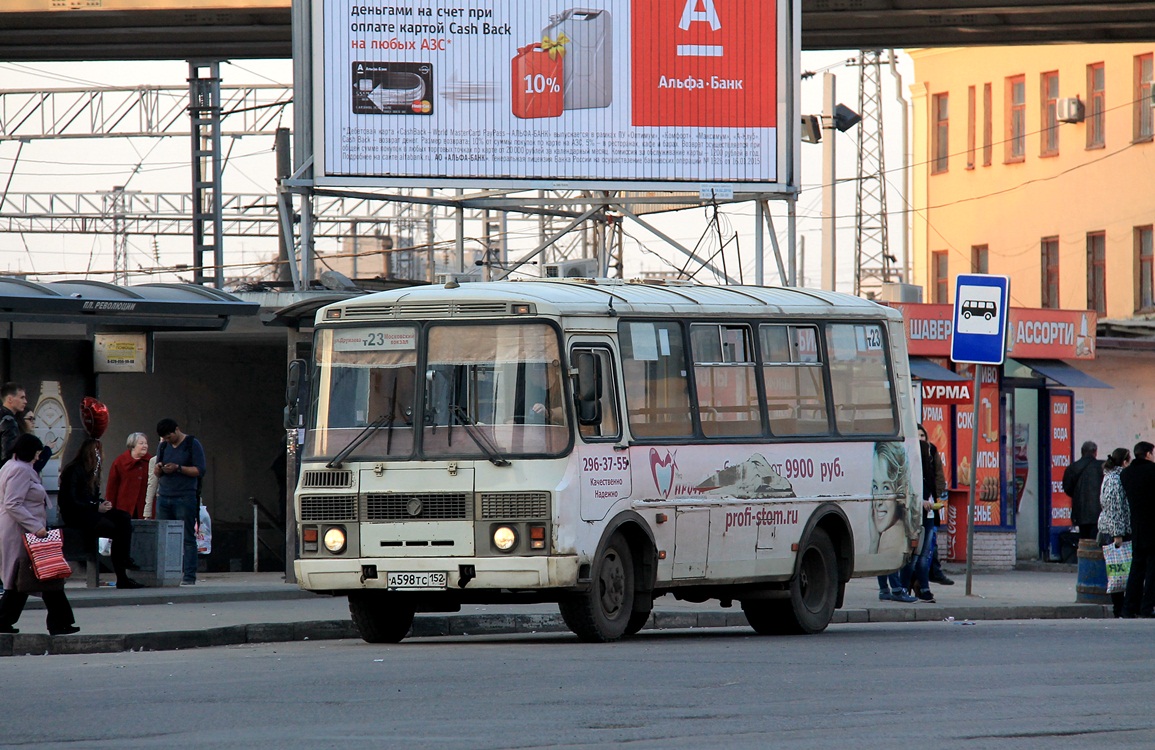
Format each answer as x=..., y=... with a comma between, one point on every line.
x=335, y=539
x=504, y=538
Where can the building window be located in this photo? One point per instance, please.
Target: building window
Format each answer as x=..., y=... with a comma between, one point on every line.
x=1144, y=124
x=939, y=278
x=1050, y=97
x=1097, y=272
x=971, y=127
x=1144, y=270
x=1016, y=149
x=1096, y=105
x=940, y=142
x=980, y=259
x=1050, y=268
x=988, y=129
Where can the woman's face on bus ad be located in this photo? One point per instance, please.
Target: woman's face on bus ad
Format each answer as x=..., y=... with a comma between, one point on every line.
x=885, y=508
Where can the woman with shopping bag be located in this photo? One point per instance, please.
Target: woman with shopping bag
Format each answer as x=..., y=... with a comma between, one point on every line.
x=1115, y=516
x=24, y=510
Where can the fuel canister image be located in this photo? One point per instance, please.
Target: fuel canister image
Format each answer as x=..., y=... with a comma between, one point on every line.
x=536, y=76
x=704, y=63
x=588, y=77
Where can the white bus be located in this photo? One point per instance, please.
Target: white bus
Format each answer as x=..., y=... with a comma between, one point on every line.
x=599, y=444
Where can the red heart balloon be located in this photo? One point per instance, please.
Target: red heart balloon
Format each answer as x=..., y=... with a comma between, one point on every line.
x=94, y=417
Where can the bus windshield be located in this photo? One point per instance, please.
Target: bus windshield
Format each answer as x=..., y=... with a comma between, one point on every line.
x=490, y=391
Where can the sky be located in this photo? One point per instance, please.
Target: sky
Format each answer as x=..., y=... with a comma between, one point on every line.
x=162, y=165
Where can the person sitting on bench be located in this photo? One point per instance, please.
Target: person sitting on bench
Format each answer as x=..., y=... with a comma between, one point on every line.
x=82, y=508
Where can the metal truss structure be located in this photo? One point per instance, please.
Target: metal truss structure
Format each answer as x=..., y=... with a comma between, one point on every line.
x=874, y=265
x=140, y=112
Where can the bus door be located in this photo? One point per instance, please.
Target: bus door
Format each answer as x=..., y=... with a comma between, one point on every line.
x=603, y=464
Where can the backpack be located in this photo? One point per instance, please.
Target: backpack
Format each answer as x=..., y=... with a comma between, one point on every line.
x=160, y=459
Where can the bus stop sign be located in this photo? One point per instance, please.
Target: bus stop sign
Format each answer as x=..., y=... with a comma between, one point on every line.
x=980, y=319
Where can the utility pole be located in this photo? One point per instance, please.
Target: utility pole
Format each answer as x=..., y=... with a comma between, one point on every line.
x=874, y=265
x=829, y=192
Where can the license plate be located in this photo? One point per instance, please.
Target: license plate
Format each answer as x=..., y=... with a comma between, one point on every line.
x=426, y=580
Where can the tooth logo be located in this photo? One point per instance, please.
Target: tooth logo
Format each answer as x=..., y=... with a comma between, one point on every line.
x=663, y=471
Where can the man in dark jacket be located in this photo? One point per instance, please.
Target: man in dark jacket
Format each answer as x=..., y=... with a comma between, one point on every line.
x=1081, y=482
x=1138, y=481
x=12, y=402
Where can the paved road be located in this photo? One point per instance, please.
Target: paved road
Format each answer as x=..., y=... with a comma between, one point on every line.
x=1006, y=685
x=238, y=608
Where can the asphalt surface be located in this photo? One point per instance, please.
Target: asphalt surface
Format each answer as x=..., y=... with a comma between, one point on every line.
x=236, y=608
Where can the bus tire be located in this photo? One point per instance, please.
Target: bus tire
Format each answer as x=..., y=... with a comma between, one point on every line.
x=379, y=617
x=639, y=618
x=605, y=611
x=813, y=594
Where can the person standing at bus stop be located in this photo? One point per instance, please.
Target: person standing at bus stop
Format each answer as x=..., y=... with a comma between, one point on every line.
x=180, y=464
x=1083, y=483
x=1138, y=481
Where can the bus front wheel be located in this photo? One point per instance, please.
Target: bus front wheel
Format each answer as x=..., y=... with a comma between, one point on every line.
x=379, y=617
x=603, y=613
x=813, y=594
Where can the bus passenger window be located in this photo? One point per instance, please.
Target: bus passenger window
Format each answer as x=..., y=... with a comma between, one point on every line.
x=597, y=419
x=654, y=374
x=860, y=379
x=725, y=379
x=795, y=391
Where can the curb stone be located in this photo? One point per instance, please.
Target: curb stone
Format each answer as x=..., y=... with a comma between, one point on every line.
x=439, y=625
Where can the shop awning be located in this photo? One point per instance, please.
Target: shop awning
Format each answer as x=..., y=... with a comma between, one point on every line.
x=1063, y=373
x=924, y=369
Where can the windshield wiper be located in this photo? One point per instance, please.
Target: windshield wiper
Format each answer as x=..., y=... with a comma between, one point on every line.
x=476, y=435
x=362, y=436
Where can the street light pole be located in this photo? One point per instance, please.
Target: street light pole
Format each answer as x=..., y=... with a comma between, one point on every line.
x=829, y=196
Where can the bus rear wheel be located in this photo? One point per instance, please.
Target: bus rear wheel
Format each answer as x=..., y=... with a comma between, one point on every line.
x=380, y=617
x=604, y=612
x=813, y=594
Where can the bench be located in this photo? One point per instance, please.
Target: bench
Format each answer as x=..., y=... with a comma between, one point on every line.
x=80, y=547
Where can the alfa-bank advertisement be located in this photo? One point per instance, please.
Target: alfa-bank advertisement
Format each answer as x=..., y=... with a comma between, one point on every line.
x=659, y=93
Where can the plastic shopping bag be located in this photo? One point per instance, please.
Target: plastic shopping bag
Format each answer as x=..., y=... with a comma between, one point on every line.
x=205, y=532
x=104, y=546
x=1118, y=561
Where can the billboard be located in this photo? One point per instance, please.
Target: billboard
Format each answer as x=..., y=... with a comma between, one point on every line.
x=613, y=94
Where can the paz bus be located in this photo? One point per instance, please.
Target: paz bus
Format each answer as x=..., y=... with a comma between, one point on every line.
x=600, y=443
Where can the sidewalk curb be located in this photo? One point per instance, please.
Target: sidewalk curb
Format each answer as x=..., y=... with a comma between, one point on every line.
x=431, y=626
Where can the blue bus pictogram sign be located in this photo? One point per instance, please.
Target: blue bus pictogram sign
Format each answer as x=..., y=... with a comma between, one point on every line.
x=980, y=319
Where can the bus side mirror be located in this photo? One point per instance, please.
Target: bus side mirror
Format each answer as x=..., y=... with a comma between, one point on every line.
x=588, y=388
x=294, y=391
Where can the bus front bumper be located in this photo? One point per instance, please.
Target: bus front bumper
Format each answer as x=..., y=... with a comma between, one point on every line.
x=487, y=572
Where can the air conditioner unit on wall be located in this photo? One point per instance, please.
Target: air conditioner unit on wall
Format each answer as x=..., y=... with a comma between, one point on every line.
x=1069, y=109
x=583, y=268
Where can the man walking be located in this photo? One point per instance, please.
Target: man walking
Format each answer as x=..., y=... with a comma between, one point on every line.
x=180, y=463
x=12, y=402
x=1138, y=481
x=1082, y=482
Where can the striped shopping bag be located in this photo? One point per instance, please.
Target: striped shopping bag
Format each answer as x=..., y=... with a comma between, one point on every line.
x=47, y=556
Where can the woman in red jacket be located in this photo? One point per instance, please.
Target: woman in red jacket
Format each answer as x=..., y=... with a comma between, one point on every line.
x=128, y=477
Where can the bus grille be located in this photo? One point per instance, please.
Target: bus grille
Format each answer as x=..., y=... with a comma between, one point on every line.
x=328, y=507
x=326, y=479
x=514, y=505
x=433, y=506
